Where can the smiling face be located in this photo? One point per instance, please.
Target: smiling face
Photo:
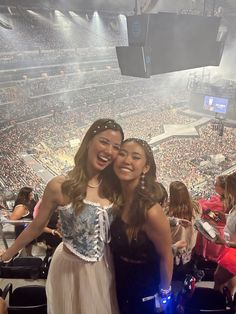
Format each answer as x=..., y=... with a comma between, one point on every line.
x=103, y=148
x=131, y=162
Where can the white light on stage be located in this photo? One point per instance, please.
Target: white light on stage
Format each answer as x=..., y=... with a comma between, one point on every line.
x=73, y=13
x=9, y=10
x=61, y=19
x=40, y=17
x=98, y=30
x=122, y=16
x=78, y=19
x=31, y=12
x=59, y=13
x=122, y=19
x=123, y=27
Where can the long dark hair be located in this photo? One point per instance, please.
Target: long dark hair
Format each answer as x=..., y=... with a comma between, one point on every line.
x=23, y=197
x=144, y=198
x=76, y=183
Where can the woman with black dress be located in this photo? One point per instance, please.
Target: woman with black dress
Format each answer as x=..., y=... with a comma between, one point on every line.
x=141, y=239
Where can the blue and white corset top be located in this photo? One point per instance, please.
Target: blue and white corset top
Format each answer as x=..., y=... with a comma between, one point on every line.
x=86, y=234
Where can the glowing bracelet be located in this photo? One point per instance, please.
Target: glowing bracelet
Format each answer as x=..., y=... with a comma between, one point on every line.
x=165, y=292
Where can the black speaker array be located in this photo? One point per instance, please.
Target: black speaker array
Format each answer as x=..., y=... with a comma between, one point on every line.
x=167, y=42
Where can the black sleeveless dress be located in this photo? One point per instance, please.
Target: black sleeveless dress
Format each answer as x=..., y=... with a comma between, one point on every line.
x=137, y=269
x=20, y=228
x=27, y=216
x=50, y=239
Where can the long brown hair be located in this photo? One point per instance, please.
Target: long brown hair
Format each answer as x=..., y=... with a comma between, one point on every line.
x=230, y=191
x=144, y=198
x=76, y=183
x=181, y=204
x=220, y=181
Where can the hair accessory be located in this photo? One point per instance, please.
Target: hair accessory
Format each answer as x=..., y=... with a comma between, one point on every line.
x=142, y=181
x=142, y=143
x=108, y=124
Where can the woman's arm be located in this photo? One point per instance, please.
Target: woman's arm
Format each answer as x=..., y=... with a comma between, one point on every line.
x=158, y=230
x=3, y=306
x=51, y=199
x=181, y=244
x=18, y=212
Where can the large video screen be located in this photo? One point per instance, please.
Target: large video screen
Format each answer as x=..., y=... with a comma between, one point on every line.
x=216, y=104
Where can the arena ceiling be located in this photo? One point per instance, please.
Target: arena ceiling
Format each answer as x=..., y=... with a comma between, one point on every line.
x=120, y=6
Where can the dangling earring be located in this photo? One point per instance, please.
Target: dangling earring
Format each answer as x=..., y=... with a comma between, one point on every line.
x=142, y=181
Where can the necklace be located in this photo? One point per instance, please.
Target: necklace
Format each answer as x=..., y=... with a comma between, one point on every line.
x=93, y=186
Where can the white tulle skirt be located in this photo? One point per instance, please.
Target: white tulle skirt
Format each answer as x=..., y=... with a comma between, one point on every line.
x=75, y=286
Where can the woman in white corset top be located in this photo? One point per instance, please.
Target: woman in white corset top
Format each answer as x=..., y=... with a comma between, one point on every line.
x=80, y=279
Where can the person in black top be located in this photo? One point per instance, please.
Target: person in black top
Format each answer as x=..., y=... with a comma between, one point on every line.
x=23, y=209
x=51, y=235
x=140, y=233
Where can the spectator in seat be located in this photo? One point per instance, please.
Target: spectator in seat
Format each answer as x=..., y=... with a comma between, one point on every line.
x=182, y=206
x=51, y=235
x=210, y=251
x=226, y=270
x=23, y=209
x=173, y=221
